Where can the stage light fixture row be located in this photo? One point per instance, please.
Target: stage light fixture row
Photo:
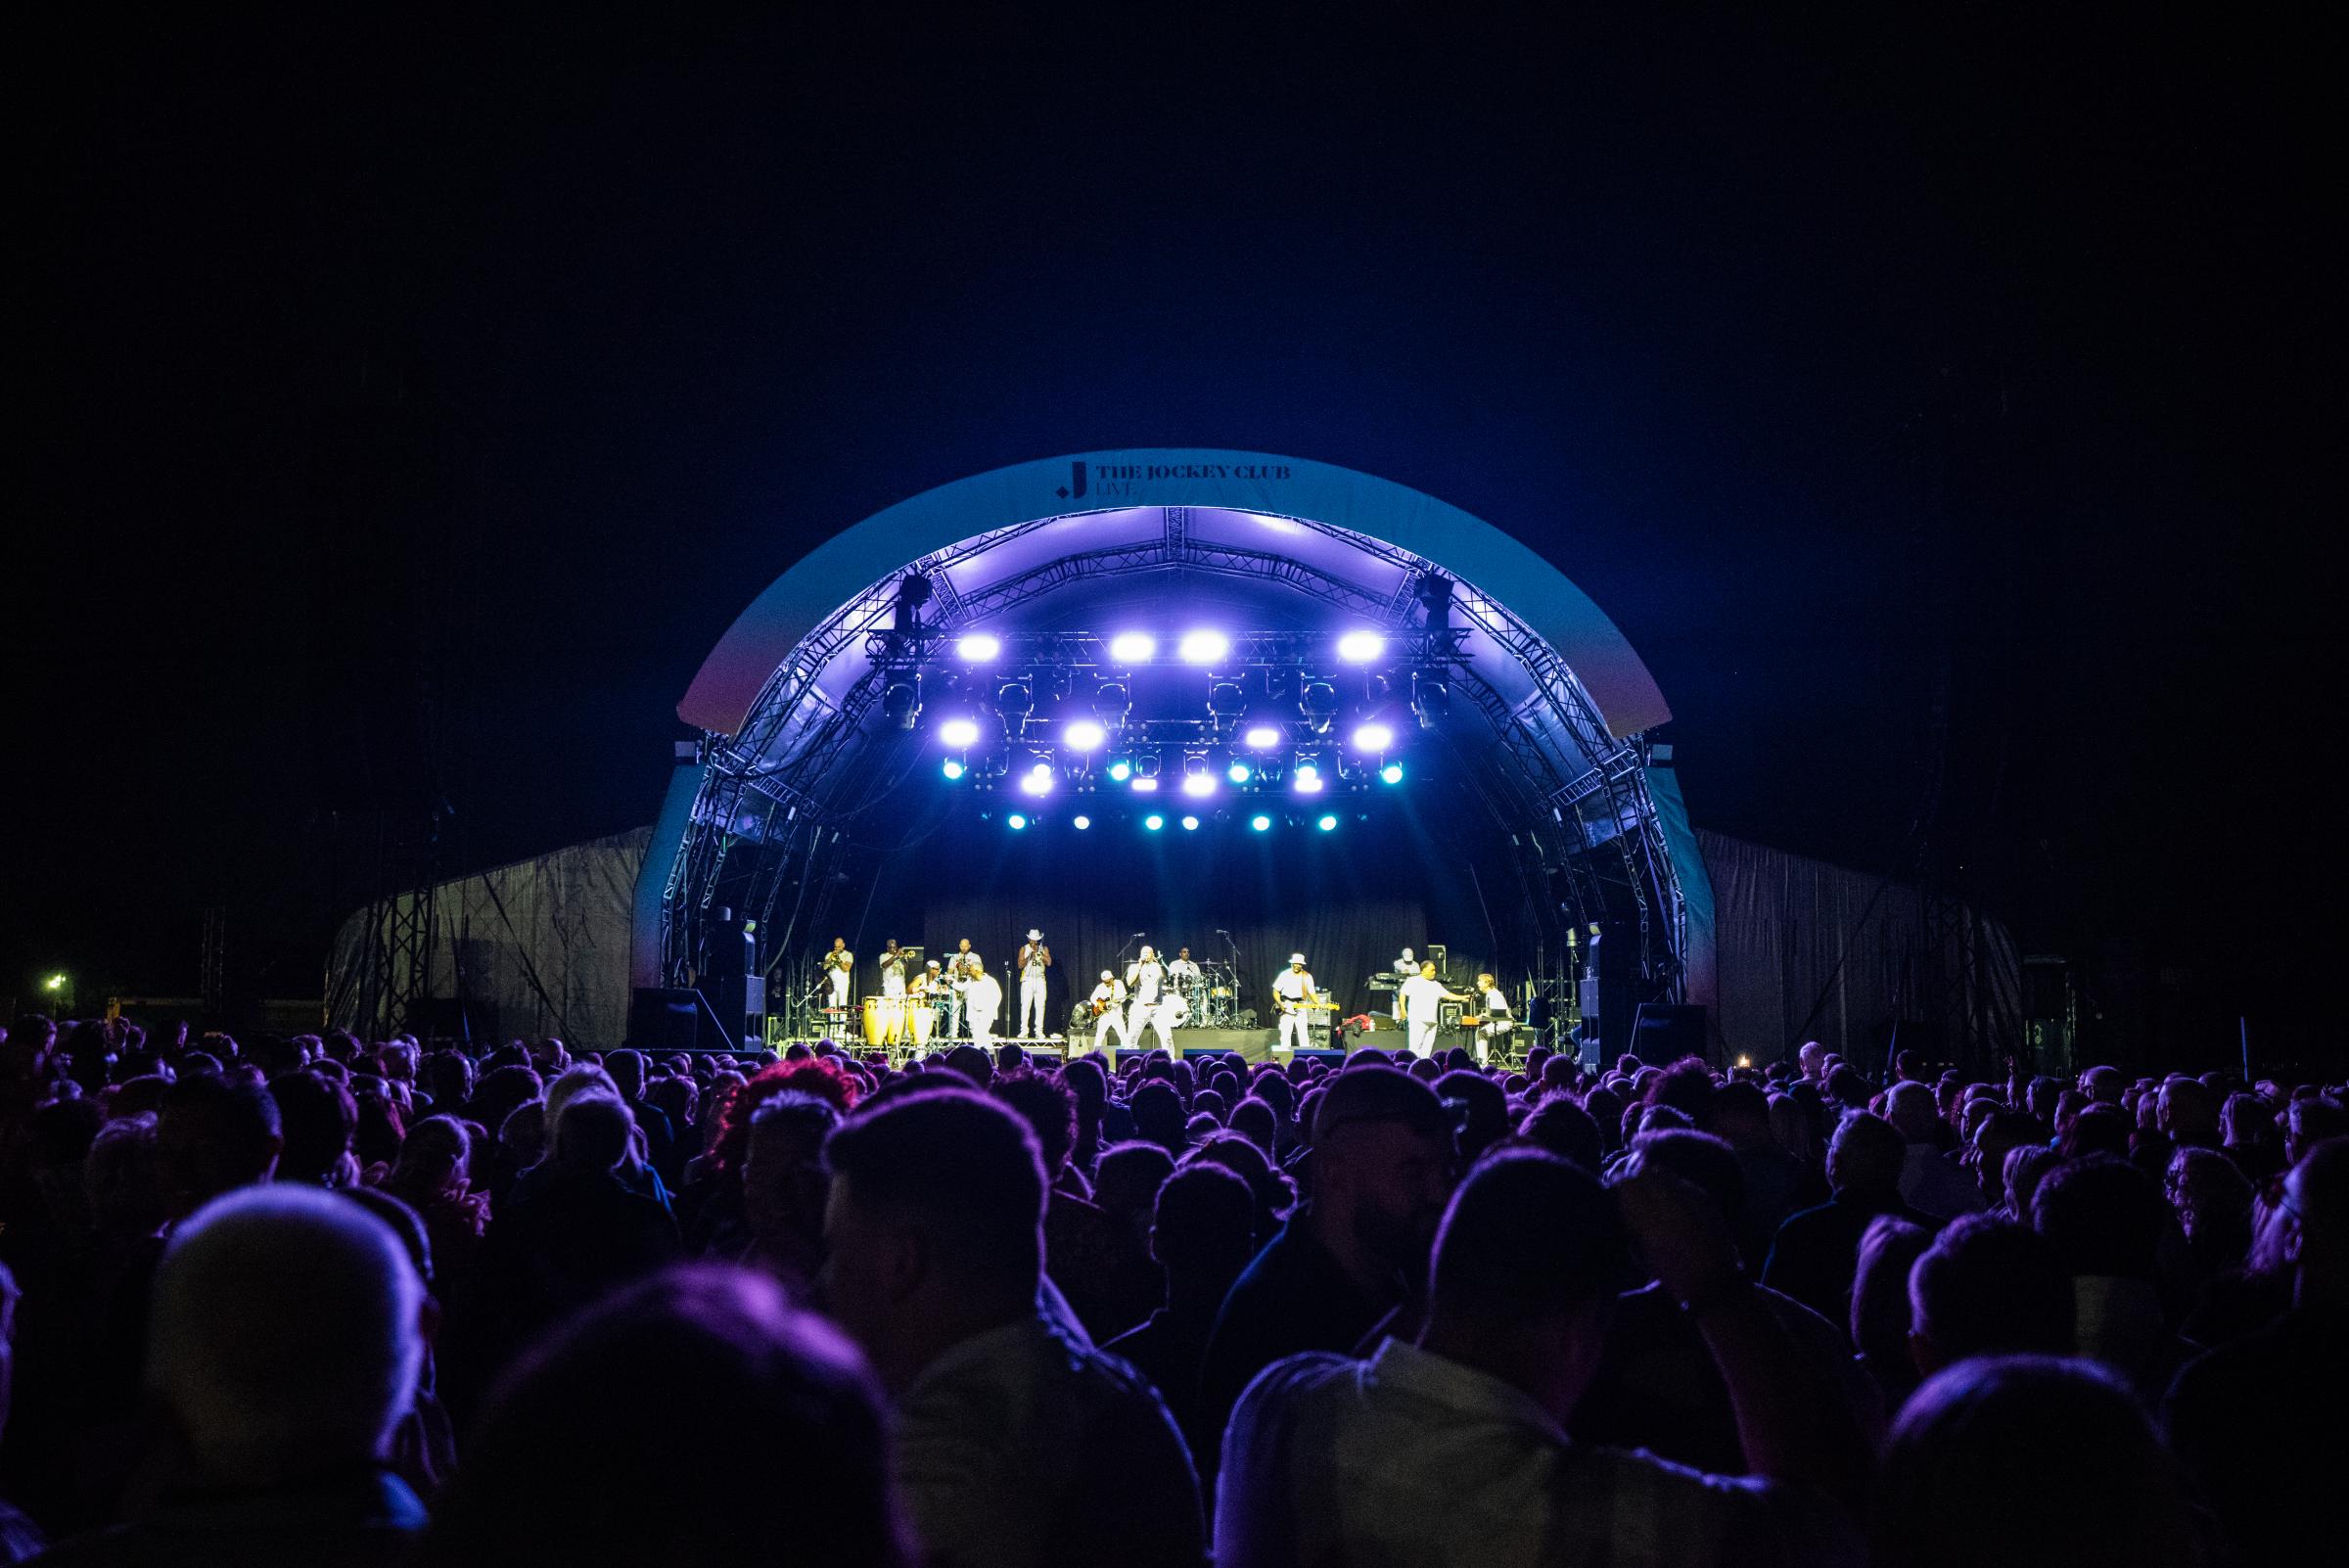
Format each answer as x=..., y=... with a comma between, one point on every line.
x=1188, y=821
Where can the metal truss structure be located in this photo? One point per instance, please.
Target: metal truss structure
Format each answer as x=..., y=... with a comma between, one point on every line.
x=789, y=804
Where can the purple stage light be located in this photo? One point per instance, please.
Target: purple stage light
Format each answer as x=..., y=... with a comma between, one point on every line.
x=959, y=733
x=1203, y=647
x=1262, y=737
x=1373, y=738
x=1199, y=784
x=979, y=647
x=1145, y=786
x=1131, y=647
x=1360, y=647
x=1083, y=735
x=1038, y=780
x=1306, y=780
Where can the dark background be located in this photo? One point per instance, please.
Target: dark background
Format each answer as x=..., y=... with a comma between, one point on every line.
x=1942, y=400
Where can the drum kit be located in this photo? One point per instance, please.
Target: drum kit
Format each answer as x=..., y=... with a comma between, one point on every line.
x=1212, y=1001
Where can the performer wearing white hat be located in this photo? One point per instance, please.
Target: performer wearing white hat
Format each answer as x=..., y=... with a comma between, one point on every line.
x=983, y=995
x=1146, y=984
x=1292, y=990
x=1108, y=1013
x=1035, y=959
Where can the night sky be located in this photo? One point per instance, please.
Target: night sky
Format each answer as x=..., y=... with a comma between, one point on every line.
x=390, y=390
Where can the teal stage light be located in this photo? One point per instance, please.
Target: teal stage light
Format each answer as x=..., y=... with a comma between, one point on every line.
x=1327, y=824
x=1015, y=822
x=1260, y=823
x=953, y=767
x=1392, y=772
x=1154, y=821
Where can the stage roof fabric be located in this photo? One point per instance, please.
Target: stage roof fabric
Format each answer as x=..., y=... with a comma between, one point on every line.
x=1016, y=521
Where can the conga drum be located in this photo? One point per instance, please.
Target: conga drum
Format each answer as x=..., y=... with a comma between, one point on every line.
x=872, y=1020
x=893, y=1020
x=923, y=1018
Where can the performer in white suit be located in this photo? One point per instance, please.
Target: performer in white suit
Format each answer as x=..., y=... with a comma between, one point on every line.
x=1293, y=991
x=983, y=996
x=958, y=972
x=1421, y=996
x=1109, y=1006
x=1035, y=961
x=1146, y=984
x=1407, y=969
x=839, y=967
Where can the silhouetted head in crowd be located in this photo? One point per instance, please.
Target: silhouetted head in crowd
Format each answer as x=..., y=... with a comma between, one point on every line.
x=934, y=1226
x=211, y=1136
x=2028, y=1459
x=319, y=1117
x=2027, y=1164
x=784, y=1184
x=2212, y=1199
x=1382, y=1168
x=1159, y=1116
x=1048, y=1109
x=627, y=1069
x=1567, y=1131
x=1864, y=1158
x=2190, y=1112
x=592, y=1132
x=1487, y=1111
x=1911, y=1110
x=1531, y=1254
x=2316, y=1208
x=1988, y=1287
x=2309, y=1122
x=2100, y=1128
x=565, y=1467
x=1704, y=1162
x=285, y=1335
x=1255, y=1120
x=1687, y=1085
x=2102, y=1215
x=1202, y=1232
x=1812, y=1059
x=123, y=1176
x=1739, y=1113
x=1880, y=1312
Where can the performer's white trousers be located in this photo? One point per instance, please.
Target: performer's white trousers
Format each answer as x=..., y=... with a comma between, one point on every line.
x=953, y=1015
x=1148, y=1016
x=983, y=1028
x=1032, y=996
x=1423, y=1037
x=1296, y=1030
x=840, y=988
x=1114, y=1018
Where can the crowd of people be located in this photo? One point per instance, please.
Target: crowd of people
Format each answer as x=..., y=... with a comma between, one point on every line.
x=325, y=1301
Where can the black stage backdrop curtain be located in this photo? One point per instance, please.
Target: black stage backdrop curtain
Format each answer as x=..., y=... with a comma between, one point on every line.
x=1348, y=900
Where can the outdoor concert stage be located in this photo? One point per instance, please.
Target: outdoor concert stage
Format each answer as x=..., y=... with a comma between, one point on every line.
x=1250, y=705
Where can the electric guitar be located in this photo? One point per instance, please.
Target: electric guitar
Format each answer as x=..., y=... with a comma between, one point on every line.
x=1290, y=1004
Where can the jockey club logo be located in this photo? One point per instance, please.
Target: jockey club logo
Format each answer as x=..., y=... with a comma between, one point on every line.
x=1127, y=478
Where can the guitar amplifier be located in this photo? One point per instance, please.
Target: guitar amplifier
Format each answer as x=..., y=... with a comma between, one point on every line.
x=1449, y=1015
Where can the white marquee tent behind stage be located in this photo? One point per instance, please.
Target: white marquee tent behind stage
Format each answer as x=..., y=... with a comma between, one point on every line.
x=1805, y=949
x=1545, y=748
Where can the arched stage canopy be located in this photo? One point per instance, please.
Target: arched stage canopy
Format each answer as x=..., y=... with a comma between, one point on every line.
x=810, y=802
x=1546, y=737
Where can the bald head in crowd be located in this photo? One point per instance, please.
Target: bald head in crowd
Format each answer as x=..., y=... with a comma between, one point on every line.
x=286, y=1336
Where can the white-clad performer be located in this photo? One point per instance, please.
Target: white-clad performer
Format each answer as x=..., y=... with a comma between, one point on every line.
x=1108, y=1013
x=960, y=965
x=839, y=967
x=892, y=969
x=1035, y=959
x=1422, y=994
x=1407, y=969
x=1498, y=1023
x=1146, y=984
x=1293, y=992
x=984, y=996
x=1182, y=974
